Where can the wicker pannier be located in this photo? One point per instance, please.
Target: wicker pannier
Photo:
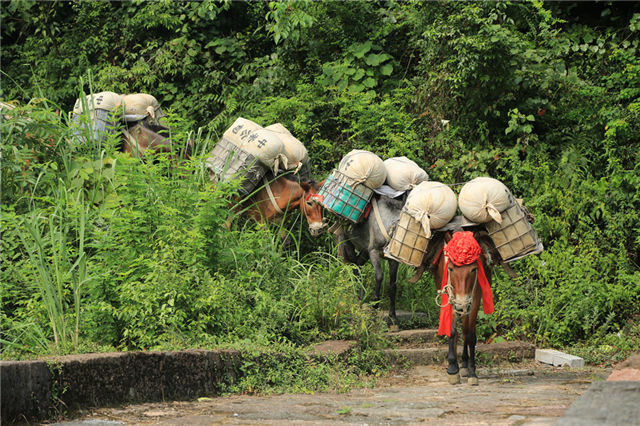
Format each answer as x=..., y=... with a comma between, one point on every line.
x=408, y=242
x=514, y=237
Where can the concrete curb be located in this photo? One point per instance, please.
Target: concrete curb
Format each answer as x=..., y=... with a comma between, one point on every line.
x=35, y=390
x=505, y=351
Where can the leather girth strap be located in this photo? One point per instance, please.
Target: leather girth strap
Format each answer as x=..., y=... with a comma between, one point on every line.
x=271, y=197
x=376, y=212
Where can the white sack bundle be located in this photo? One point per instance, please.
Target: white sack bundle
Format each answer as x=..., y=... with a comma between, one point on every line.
x=364, y=167
x=267, y=148
x=294, y=150
x=403, y=174
x=240, y=130
x=103, y=100
x=483, y=199
x=433, y=204
x=143, y=104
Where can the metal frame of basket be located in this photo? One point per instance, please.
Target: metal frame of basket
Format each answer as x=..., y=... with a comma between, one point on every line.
x=229, y=161
x=345, y=198
x=408, y=243
x=102, y=124
x=514, y=236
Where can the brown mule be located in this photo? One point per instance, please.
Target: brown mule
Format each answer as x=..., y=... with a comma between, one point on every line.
x=468, y=283
x=284, y=194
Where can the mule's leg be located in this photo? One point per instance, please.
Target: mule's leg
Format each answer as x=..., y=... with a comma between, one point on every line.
x=470, y=338
x=464, y=368
x=348, y=252
x=393, y=274
x=453, y=370
x=377, y=267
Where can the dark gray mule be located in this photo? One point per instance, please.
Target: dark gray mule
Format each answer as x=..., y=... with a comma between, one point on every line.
x=369, y=240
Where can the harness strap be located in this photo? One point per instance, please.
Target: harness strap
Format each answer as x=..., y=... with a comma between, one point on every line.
x=376, y=212
x=270, y=193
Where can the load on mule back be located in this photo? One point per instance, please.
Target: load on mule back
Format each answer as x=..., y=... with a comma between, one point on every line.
x=137, y=118
x=269, y=171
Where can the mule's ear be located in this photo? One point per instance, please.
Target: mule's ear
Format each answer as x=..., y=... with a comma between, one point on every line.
x=306, y=186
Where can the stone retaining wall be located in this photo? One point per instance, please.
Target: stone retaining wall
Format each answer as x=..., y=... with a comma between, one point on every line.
x=34, y=390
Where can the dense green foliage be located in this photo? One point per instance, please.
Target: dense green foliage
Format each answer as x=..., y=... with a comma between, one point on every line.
x=543, y=96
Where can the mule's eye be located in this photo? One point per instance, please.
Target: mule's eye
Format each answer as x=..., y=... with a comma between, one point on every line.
x=474, y=270
x=309, y=203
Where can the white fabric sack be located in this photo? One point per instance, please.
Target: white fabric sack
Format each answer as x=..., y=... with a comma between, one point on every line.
x=403, y=174
x=483, y=199
x=433, y=204
x=294, y=150
x=364, y=167
x=267, y=148
x=240, y=130
x=103, y=100
x=143, y=104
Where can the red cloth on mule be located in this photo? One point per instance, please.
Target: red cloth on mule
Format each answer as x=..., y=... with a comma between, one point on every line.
x=463, y=249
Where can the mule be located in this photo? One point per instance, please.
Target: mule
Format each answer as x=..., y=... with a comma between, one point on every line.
x=138, y=139
x=283, y=194
x=369, y=239
x=462, y=274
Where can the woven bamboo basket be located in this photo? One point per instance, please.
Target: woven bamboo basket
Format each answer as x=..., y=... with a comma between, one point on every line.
x=229, y=161
x=514, y=236
x=345, y=198
x=408, y=242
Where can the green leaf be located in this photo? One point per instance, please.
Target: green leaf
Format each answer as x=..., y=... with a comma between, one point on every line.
x=350, y=71
x=588, y=38
x=221, y=49
x=362, y=49
x=359, y=75
x=343, y=84
x=372, y=60
x=531, y=118
x=369, y=82
x=192, y=52
x=356, y=88
x=386, y=69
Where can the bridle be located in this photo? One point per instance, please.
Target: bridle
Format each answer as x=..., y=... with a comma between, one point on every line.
x=448, y=289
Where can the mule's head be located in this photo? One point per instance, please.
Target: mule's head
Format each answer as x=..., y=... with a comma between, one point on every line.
x=464, y=266
x=310, y=208
x=463, y=280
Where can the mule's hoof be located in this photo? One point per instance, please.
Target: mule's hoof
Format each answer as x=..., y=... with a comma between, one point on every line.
x=393, y=328
x=464, y=372
x=454, y=379
x=472, y=381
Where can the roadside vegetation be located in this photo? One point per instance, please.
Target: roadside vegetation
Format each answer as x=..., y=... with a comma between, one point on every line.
x=103, y=252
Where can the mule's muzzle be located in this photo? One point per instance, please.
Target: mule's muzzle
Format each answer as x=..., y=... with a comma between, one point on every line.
x=317, y=229
x=462, y=308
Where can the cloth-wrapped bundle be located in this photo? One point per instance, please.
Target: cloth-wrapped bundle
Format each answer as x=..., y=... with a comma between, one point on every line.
x=107, y=101
x=403, y=174
x=433, y=204
x=294, y=150
x=266, y=147
x=142, y=104
x=364, y=167
x=240, y=130
x=483, y=199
